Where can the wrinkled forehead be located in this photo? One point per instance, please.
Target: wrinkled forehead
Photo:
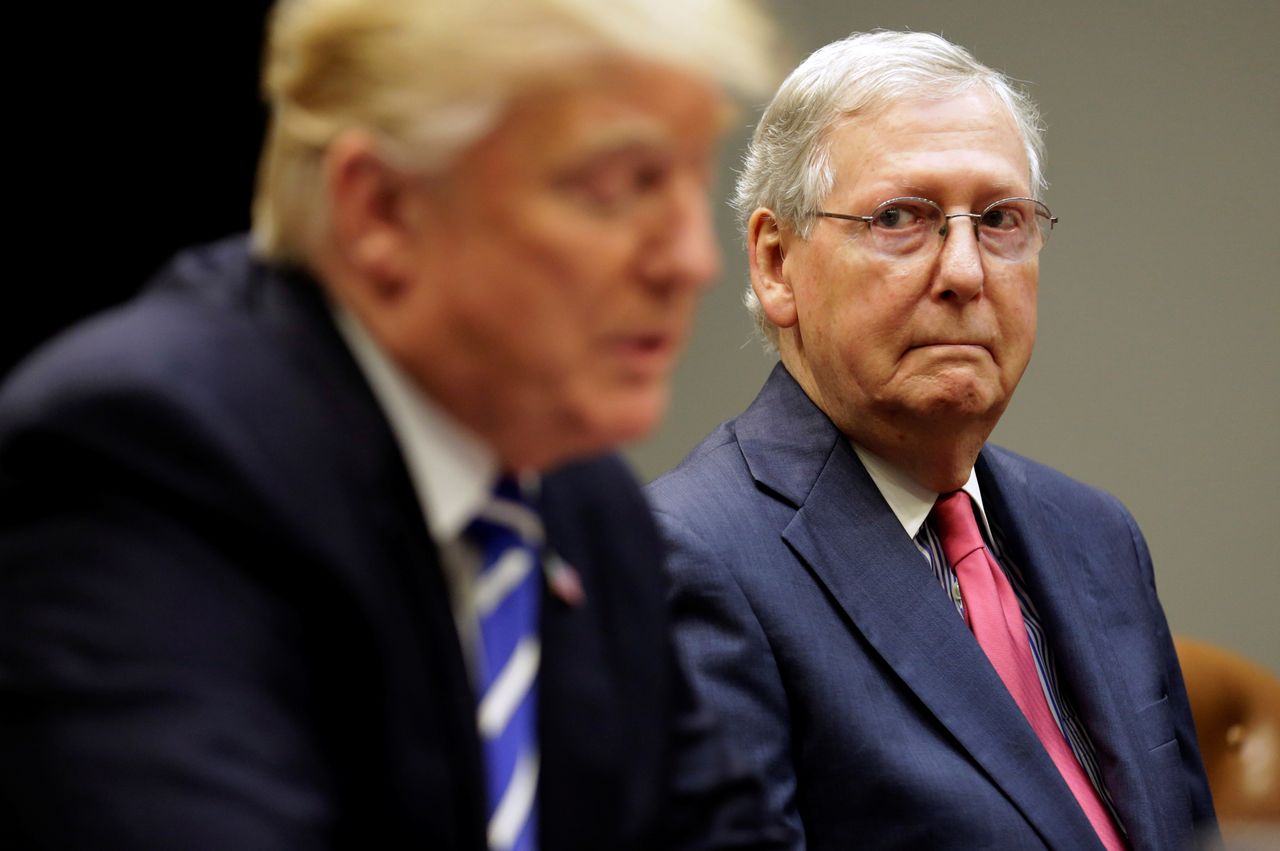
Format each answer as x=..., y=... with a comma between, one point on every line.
x=920, y=145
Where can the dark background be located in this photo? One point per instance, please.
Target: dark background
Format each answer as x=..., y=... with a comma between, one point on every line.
x=141, y=138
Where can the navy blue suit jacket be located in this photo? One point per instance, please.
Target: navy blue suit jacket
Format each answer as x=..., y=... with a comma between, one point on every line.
x=223, y=623
x=816, y=629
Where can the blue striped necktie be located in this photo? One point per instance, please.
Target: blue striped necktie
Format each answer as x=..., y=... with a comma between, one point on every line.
x=507, y=593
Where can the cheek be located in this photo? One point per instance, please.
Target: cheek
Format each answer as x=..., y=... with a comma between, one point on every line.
x=847, y=313
x=820, y=291
x=1019, y=333
x=569, y=325
x=584, y=274
x=1022, y=317
x=538, y=295
x=1026, y=291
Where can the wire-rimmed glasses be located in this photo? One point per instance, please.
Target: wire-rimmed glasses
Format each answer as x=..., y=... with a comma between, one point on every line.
x=1012, y=229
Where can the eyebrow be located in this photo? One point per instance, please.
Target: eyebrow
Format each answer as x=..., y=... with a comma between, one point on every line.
x=640, y=132
x=622, y=135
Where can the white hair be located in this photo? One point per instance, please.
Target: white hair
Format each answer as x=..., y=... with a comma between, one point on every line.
x=788, y=163
x=427, y=78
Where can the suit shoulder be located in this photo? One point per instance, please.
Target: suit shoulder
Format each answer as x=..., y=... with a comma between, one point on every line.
x=163, y=340
x=714, y=470
x=218, y=339
x=190, y=388
x=711, y=502
x=1068, y=494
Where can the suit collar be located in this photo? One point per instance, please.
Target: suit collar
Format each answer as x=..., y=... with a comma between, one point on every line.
x=452, y=470
x=910, y=501
x=873, y=570
x=308, y=425
x=785, y=438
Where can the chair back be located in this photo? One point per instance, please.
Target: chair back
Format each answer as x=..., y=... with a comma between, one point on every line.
x=1236, y=704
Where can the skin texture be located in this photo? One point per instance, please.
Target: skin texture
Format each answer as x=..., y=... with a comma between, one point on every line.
x=541, y=288
x=914, y=359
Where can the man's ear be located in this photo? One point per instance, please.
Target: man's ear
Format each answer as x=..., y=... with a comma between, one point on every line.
x=766, y=254
x=373, y=211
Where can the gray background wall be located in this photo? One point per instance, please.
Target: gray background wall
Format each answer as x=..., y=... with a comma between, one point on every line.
x=1156, y=365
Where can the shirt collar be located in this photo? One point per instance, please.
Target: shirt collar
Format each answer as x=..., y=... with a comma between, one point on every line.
x=452, y=470
x=909, y=501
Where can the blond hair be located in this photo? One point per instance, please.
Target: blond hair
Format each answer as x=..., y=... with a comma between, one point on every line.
x=429, y=77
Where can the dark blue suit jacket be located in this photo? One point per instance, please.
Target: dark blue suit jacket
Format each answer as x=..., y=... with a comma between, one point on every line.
x=223, y=623
x=818, y=632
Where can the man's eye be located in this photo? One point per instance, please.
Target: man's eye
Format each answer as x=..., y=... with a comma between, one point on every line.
x=1002, y=218
x=619, y=186
x=896, y=217
x=648, y=177
x=600, y=189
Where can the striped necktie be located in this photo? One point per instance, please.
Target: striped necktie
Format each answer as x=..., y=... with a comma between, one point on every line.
x=993, y=613
x=507, y=594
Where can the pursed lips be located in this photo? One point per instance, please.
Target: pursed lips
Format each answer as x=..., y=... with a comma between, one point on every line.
x=960, y=350
x=971, y=344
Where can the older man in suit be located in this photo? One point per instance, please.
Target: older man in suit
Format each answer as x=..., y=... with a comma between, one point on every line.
x=313, y=545
x=926, y=641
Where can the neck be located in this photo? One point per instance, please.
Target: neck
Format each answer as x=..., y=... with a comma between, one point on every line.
x=936, y=448
x=940, y=462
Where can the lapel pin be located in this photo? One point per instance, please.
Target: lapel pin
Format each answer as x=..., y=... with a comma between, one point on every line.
x=563, y=580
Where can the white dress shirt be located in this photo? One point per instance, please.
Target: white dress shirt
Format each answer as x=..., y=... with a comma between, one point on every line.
x=910, y=501
x=452, y=470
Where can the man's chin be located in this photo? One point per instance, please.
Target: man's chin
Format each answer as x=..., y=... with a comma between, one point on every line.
x=957, y=402
x=630, y=413
x=607, y=419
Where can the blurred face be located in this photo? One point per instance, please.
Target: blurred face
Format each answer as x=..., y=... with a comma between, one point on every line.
x=889, y=348
x=557, y=267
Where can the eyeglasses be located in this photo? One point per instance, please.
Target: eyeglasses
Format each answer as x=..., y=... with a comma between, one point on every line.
x=1012, y=229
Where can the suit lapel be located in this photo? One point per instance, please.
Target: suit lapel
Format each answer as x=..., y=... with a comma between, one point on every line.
x=1061, y=577
x=856, y=548
x=391, y=564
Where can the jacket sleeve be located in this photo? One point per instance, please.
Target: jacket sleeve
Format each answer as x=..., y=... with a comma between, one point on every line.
x=1194, y=779
x=730, y=664
x=147, y=693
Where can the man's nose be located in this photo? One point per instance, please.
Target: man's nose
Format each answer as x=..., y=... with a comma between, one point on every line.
x=959, y=275
x=686, y=254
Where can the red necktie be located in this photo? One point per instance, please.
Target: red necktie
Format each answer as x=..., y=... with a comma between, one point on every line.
x=991, y=608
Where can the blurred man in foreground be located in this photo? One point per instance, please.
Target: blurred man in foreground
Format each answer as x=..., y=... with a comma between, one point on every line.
x=305, y=547
x=927, y=641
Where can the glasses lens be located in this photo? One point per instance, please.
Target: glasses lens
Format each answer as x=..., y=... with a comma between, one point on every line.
x=1015, y=228
x=903, y=226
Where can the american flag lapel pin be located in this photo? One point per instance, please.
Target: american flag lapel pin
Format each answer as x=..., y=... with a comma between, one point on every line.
x=563, y=580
